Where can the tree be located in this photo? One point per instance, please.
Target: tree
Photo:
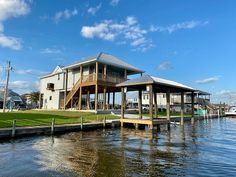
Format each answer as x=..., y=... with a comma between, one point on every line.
x=34, y=97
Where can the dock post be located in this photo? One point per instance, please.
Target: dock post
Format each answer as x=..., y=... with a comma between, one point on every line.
x=13, y=128
x=182, y=109
x=104, y=122
x=136, y=126
x=52, y=126
x=192, y=108
x=168, y=105
x=81, y=123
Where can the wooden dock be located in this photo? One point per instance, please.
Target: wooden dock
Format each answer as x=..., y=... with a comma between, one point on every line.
x=150, y=123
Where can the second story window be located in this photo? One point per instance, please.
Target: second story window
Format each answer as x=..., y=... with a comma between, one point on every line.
x=58, y=77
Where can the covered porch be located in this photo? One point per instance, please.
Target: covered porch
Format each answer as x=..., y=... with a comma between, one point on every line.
x=154, y=85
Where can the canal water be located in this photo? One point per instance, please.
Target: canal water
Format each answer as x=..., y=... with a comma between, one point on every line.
x=207, y=149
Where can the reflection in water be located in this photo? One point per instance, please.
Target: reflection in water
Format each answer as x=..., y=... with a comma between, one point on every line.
x=206, y=149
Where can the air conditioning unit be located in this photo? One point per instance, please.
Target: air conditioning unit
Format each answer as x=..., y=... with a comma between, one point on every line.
x=50, y=86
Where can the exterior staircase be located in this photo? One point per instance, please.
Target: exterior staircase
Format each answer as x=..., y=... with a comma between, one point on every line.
x=73, y=91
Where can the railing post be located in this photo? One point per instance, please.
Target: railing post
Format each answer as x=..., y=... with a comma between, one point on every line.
x=53, y=126
x=13, y=128
x=104, y=122
x=81, y=123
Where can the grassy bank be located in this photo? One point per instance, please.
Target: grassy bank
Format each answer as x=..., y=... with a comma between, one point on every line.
x=36, y=118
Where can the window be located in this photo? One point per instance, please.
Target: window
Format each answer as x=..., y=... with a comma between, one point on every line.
x=50, y=86
x=50, y=98
x=58, y=76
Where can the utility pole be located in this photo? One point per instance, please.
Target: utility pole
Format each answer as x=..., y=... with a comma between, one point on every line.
x=8, y=69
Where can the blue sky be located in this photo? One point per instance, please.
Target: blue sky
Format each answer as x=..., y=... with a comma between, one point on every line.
x=192, y=42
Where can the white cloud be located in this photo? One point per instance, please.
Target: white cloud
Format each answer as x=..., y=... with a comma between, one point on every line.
x=128, y=31
x=94, y=10
x=208, y=80
x=179, y=26
x=66, y=14
x=24, y=85
x=30, y=72
x=114, y=2
x=10, y=42
x=10, y=9
x=164, y=66
x=227, y=96
x=50, y=51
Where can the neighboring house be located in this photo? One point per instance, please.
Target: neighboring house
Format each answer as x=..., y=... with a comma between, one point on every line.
x=75, y=85
x=14, y=100
x=175, y=101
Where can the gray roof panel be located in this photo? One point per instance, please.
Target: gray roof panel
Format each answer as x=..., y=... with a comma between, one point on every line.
x=106, y=59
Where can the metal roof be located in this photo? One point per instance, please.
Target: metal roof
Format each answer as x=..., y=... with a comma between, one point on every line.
x=146, y=79
x=106, y=59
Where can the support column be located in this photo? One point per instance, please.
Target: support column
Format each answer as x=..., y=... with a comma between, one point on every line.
x=96, y=89
x=192, y=106
x=113, y=100
x=81, y=73
x=155, y=105
x=71, y=103
x=80, y=98
x=88, y=100
x=125, y=74
x=105, y=72
x=104, y=98
x=108, y=100
x=182, y=109
x=151, y=102
x=122, y=103
x=66, y=85
x=140, y=109
x=40, y=100
x=168, y=105
x=96, y=98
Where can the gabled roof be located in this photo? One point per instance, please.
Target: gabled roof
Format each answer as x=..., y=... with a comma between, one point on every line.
x=146, y=79
x=57, y=70
x=106, y=59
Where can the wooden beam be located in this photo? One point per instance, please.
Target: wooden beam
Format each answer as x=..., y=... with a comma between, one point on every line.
x=182, y=109
x=105, y=72
x=125, y=74
x=96, y=97
x=104, y=98
x=122, y=103
x=108, y=100
x=168, y=105
x=192, y=107
x=151, y=102
x=66, y=85
x=97, y=70
x=80, y=98
x=88, y=100
x=140, y=109
x=113, y=100
x=155, y=105
x=81, y=73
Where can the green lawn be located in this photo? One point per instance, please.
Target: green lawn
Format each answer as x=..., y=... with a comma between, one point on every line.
x=36, y=118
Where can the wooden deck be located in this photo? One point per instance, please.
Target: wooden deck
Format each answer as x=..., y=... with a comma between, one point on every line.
x=153, y=122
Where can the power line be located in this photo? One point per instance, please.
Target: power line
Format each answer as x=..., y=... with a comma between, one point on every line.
x=8, y=69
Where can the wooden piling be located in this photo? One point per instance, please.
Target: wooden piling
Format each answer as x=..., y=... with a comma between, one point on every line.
x=13, y=128
x=81, y=123
x=53, y=126
x=104, y=122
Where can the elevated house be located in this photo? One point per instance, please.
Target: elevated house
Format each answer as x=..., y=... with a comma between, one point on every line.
x=86, y=84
